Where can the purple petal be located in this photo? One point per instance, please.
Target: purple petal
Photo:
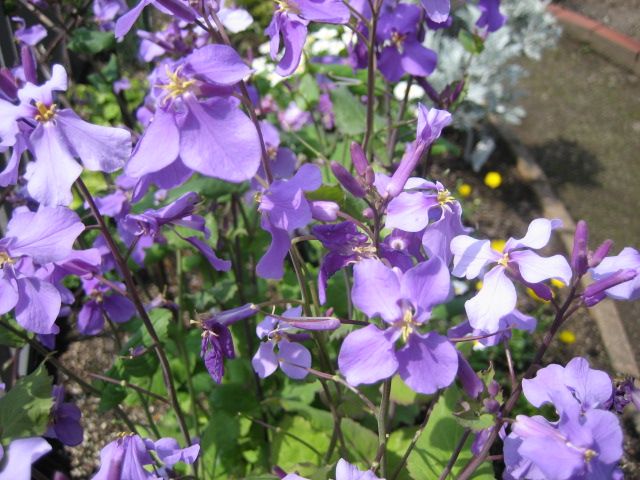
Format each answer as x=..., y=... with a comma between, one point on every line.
x=119, y=308
x=627, y=258
x=46, y=235
x=295, y=359
x=346, y=471
x=218, y=140
x=417, y=60
x=126, y=21
x=535, y=269
x=593, y=388
x=158, y=147
x=101, y=149
x=428, y=362
x=468, y=377
x=367, y=356
x=21, y=454
x=271, y=263
x=437, y=10
x=410, y=211
x=55, y=170
x=427, y=284
x=607, y=434
x=170, y=452
x=496, y=298
x=537, y=236
x=326, y=11
x=209, y=254
x=547, y=379
x=471, y=256
x=90, y=319
x=219, y=64
x=294, y=34
x=376, y=290
x=265, y=361
x=67, y=425
x=38, y=305
x=437, y=237
x=8, y=293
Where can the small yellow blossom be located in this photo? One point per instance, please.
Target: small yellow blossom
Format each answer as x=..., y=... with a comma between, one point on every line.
x=567, y=336
x=478, y=284
x=464, y=190
x=498, y=245
x=493, y=180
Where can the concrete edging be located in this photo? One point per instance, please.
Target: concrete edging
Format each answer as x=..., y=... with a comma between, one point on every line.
x=617, y=47
x=605, y=314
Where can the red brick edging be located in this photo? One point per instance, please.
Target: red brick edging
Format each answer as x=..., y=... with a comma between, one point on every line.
x=619, y=48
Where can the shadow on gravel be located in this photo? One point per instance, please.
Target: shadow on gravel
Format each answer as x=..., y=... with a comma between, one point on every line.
x=566, y=162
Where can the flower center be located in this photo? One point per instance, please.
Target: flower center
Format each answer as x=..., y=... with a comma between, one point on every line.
x=45, y=113
x=504, y=260
x=177, y=85
x=365, y=250
x=398, y=39
x=444, y=196
x=408, y=325
x=288, y=6
x=590, y=455
x=5, y=259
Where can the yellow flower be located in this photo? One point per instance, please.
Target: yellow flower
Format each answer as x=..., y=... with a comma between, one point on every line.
x=493, y=180
x=567, y=336
x=464, y=190
x=557, y=283
x=478, y=284
x=498, y=245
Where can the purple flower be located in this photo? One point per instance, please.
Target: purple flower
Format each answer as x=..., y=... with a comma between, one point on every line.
x=588, y=387
x=103, y=303
x=294, y=359
x=430, y=125
x=20, y=455
x=497, y=297
x=627, y=259
x=284, y=208
x=34, y=240
x=177, y=213
x=29, y=35
x=290, y=22
x=212, y=135
x=402, y=51
x=65, y=422
x=56, y=138
x=126, y=457
x=172, y=7
x=490, y=16
x=217, y=343
x=426, y=362
x=344, y=471
x=105, y=11
x=431, y=209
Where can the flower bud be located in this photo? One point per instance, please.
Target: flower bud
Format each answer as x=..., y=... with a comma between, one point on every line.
x=347, y=180
x=408, y=163
x=596, y=292
x=233, y=315
x=359, y=159
x=324, y=211
x=28, y=64
x=8, y=87
x=579, y=262
x=602, y=251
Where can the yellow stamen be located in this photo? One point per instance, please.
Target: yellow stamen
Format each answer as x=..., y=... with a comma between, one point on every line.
x=590, y=454
x=45, y=113
x=177, y=85
x=398, y=39
x=504, y=260
x=288, y=6
x=6, y=259
x=444, y=196
x=365, y=250
x=407, y=325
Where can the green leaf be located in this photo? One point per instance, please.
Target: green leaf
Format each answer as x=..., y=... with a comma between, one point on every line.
x=470, y=42
x=90, y=42
x=309, y=89
x=401, y=393
x=439, y=439
x=298, y=445
x=331, y=193
x=477, y=422
x=349, y=112
x=9, y=338
x=24, y=410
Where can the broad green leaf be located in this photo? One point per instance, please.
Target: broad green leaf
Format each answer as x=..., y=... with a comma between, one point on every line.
x=349, y=112
x=9, y=338
x=472, y=43
x=90, y=42
x=24, y=410
x=440, y=437
x=401, y=393
x=299, y=446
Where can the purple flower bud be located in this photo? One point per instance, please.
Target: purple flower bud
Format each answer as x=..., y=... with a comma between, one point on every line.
x=233, y=315
x=347, y=180
x=595, y=292
x=602, y=251
x=8, y=87
x=409, y=161
x=491, y=405
x=493, y=388
x=579, y=263
x=324, y=211
x=359, y=159
x=28, y=64
x=367, y=212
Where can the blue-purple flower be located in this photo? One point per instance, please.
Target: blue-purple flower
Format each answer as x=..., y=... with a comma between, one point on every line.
x=497, y=297
x=290, y=22
x=65, y=420
x=427, y=361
